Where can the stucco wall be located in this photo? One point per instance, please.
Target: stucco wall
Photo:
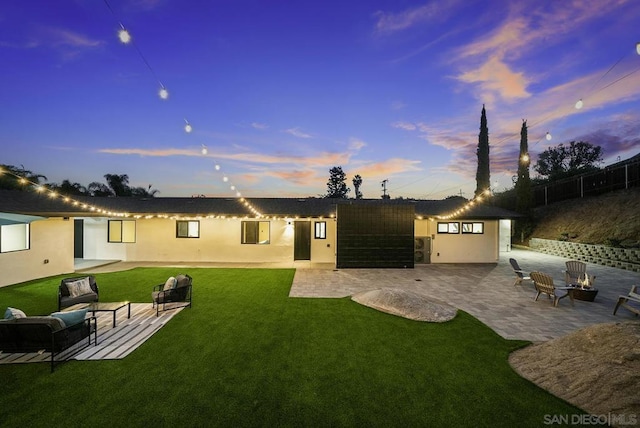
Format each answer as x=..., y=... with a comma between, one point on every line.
x=51, y=240
x=466, y=248
x=219, y=241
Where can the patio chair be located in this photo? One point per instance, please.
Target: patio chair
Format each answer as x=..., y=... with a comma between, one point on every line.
x=544, y=285
x=623, y=301
x=175, y=290
x=520, y=276
x=576, y=273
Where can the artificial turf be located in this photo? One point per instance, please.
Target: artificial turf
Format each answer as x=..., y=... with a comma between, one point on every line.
x=246, y=354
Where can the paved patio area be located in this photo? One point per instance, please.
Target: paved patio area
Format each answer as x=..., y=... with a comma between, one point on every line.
x=486, y=291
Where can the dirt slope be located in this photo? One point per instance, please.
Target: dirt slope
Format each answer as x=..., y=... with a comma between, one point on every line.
x=613, y=217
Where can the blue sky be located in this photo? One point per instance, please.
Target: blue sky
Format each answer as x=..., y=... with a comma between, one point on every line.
x=279, y=92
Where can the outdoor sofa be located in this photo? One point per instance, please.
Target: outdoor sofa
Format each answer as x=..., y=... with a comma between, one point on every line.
x=47, y=333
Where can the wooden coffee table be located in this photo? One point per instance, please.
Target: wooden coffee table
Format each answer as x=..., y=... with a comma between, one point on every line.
x=102, y=307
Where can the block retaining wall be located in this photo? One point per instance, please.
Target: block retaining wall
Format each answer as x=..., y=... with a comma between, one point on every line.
x=621, y=258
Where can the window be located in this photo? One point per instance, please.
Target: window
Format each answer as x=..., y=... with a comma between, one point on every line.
x=320, y=230
x=255, y=232
x=14, y=237
x=122, y=231
x=453, y=227
x=187, y=229
x=473, y=228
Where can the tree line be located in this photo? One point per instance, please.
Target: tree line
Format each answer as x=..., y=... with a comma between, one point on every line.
x=17, y=178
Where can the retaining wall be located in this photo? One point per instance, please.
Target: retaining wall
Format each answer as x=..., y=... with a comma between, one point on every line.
x=620, y=258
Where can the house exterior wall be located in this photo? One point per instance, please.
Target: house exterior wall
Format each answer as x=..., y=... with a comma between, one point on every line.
x=462, y=248
x=51, y=240
x=220, y=241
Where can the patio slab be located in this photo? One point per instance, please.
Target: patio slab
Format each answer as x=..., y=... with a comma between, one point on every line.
x=486, y=291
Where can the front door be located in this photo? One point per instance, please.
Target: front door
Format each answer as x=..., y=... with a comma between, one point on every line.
x=302, y=240
x=78, y=239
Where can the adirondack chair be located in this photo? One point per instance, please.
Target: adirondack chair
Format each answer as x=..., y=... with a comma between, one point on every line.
x=624, y=301
x=520, y=276
x=544, y=285
x=576, y=273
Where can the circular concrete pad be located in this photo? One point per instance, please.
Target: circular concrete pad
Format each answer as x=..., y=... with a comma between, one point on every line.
x=406, y=304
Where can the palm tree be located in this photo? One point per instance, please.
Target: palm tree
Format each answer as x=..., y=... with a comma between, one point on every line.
x=119, y=184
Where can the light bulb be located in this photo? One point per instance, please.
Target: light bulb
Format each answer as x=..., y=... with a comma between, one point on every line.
x=638, y=48
x=217, y=167
x=225, y=179
x=548, y=137
x=579, y=104
x=204, y=150
x=124, y=36
x=188, y=128
x=163, y=93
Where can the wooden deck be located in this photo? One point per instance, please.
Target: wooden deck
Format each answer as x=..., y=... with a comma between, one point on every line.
x=113, y=343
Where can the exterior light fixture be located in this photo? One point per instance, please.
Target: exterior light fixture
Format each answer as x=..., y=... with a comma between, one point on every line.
x=124, y=35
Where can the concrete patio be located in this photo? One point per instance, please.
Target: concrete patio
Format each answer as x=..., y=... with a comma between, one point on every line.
x=486, y=291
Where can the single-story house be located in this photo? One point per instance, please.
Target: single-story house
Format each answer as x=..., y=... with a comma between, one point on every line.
x=42, y=234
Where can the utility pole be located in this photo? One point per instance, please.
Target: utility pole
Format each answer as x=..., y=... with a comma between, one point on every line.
x=384, y=189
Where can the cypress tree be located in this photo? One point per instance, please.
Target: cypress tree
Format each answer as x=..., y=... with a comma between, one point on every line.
x=482, y=175
x=524, y=195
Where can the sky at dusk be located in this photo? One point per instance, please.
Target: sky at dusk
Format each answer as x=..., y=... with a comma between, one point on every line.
x=279, y=92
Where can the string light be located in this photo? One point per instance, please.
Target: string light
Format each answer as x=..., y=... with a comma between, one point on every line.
x=187, y=127
x=579, y=104
x=163, y=93
x=124, y=35
x=548, y=136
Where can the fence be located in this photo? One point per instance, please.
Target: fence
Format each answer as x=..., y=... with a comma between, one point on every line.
x=622, y=175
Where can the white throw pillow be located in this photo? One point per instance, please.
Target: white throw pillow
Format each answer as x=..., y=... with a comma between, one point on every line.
x=79, y=287
x=13, y=314
x=169, y=284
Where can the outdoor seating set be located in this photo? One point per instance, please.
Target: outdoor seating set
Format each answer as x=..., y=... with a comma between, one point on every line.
x=70, y=327
x=579, y=285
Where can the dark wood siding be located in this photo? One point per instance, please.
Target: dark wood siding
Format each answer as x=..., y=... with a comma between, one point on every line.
x=375, y=236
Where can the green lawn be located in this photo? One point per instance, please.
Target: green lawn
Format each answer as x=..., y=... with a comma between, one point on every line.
x=248, y=355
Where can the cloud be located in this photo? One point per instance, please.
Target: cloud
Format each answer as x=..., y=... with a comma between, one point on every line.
x=386, y=168
x=296, y=132
x=321, y=159
x=496, y=78
x=407, y=126
x=68, y=38
x=300, y=177
x=388, y=22
x=260, y=126
x=356, y=144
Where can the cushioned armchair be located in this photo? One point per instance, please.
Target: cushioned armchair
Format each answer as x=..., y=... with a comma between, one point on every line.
x=82, y=289
x=174, y=293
